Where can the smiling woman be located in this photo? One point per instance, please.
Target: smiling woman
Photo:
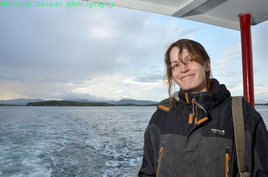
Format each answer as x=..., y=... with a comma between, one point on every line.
x=196, y=123
x=188, y=64
x=187, y=73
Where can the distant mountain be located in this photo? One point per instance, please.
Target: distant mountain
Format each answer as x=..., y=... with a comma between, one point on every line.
x=20, y=101
x=79, y=100
x=120, y=102
x=66, y=103
x=124, y=102
x=134, y=102
x=23, y=101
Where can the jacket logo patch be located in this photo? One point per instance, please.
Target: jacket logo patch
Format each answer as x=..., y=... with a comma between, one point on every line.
x=218, y=131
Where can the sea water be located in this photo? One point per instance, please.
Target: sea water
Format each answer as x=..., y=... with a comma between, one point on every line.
x=74, y=141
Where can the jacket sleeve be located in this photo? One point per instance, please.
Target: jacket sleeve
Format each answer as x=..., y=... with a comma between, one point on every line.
x=147, y=167
x=257, y=143
x=151, y=149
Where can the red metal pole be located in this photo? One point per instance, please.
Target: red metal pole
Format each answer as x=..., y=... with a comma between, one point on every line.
x=248, y=82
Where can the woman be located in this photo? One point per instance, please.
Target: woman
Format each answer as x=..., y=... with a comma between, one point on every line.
x=191, y=133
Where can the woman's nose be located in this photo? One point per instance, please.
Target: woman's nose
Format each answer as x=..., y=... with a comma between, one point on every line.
x=184, y=68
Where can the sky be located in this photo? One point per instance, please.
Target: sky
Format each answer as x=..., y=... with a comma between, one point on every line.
x=111, y=53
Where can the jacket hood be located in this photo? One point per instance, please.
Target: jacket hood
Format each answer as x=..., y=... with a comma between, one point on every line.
x=211, y=99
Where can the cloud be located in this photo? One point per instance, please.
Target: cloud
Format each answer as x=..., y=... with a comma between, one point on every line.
x=229, y=55
x=149, y=78
x=91, y=53
x=260, y=89
x=62, y=46
x=115, y=87
x=232, y=80
x=79, y=51
x=259, y=42
x=156, y=74
x=78, y=96
x=101, y=33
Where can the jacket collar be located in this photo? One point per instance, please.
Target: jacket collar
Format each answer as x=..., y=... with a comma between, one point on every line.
x=206, y=99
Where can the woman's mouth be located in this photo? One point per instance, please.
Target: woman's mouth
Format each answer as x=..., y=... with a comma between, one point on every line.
x=186, y=76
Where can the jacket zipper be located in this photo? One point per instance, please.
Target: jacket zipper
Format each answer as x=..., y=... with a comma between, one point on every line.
x=194, y=109
x=160, y=158
x=227, y=161
x=199, y=105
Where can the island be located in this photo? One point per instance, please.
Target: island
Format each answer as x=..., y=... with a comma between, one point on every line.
x=74, y=103
x=67, y=103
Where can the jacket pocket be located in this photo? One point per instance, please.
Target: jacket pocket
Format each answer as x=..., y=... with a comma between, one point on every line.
x=160, y=158
x=227, y=162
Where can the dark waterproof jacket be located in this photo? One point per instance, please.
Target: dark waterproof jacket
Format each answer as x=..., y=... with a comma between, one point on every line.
x=197, y=139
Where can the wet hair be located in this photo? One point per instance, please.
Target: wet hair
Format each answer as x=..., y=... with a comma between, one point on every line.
x=196, y=51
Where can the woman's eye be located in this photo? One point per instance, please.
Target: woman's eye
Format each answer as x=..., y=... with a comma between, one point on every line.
x=191, y=60
x=174, y=66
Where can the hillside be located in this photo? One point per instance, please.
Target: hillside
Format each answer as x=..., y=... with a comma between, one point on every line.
x=19, y=101
x=133, y=102
x=75, y=103
x=66, y=103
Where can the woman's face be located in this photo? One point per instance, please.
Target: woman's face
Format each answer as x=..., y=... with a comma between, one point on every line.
x=190, y=76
